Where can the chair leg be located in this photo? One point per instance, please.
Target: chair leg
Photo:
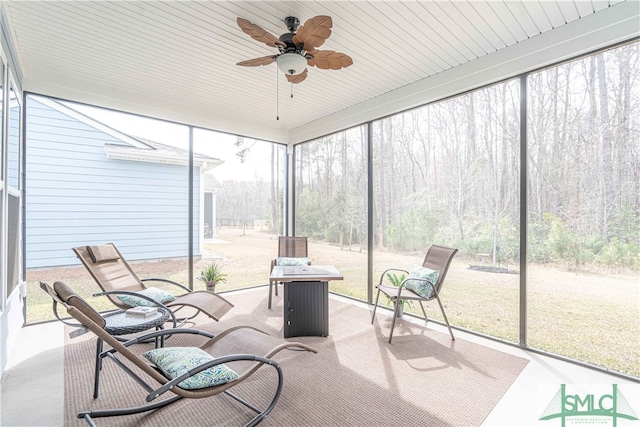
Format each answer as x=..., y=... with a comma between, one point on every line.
x=423, y=312
x=270, y=288
x=375, y=306
x=445, y=317
x=96, y=377
x=395, y=316
x=160, y=340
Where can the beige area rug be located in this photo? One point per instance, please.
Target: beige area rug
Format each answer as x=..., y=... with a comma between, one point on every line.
x=356, y=379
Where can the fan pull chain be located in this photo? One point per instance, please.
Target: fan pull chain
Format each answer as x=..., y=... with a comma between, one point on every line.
x=277, y=96
x=291, y=89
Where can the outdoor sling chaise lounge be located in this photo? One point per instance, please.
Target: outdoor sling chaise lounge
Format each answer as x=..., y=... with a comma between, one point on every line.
x=213, y=368
x=422, y=284
x=116, y=323
x=291, y=250
x=116, y=278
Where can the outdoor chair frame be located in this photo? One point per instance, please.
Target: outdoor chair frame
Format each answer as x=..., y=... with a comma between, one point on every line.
x=437, y=258
x=291, y=247
x=116, y=277
x=115, y=323
x=259, y=350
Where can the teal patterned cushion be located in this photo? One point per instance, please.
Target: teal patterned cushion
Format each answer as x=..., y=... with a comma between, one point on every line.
x=154, y=293
x=291, y=262
x=422, y=287
x=175, y=361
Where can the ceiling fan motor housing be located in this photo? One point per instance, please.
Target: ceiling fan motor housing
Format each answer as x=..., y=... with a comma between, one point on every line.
x=292, y=23
x=287, y=39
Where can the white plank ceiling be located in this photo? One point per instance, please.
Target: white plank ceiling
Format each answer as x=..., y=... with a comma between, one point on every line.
x=179, y=56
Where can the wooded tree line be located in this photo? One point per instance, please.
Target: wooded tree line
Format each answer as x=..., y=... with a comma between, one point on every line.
x=584, y=151
x=449, y=172
x=243, y=200
x=331, y=188
x=257, y=199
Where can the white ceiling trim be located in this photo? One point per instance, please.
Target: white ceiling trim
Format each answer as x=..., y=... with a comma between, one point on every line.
x=613, y=25
x=158, y=108
x=175, y=61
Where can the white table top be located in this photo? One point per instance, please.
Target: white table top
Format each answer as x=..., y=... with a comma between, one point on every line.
x=319, y=273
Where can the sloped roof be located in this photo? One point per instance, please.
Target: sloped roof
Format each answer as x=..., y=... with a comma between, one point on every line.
x=211, y=183
x=135, y=148
x=160, y=153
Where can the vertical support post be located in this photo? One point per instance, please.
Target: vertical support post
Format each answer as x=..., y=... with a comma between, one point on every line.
x=23, y=198
x=290, y=225
x=523, y=210
x=369, y=212
x=4, y=190
x=190, y=220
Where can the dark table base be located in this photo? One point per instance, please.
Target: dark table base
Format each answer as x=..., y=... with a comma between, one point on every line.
x=306, y=309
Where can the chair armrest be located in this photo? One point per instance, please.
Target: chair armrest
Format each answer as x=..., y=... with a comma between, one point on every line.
x=217, y=361
x=144, y=297
x=167, y=281
x=420, y=279
x=165, y=333
x=134, y=294
x=55, y=312
x=388, y=270
x=142, y=339
x=56, y=299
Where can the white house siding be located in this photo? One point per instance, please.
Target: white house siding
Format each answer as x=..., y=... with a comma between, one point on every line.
x=76, y=196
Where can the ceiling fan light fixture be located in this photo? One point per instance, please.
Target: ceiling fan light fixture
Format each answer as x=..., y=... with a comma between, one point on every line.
x=291, y=63
x=297, y=49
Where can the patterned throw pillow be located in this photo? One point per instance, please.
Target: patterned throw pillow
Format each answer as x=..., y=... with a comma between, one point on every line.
x=153, y=293
x=424, y=288
x=292, y=262
x=175, y=361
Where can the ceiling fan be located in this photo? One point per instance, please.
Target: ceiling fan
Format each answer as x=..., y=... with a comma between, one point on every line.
x=298, y=47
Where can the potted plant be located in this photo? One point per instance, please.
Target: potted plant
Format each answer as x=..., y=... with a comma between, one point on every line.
x=396, y=280
x=212, y=275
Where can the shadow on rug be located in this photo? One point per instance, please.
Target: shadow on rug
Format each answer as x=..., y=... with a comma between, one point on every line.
x=356, y=379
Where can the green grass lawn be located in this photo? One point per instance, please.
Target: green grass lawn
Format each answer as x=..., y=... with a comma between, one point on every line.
x=593, y=317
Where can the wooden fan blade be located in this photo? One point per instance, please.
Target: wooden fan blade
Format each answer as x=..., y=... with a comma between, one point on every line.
x=298, y=77
x=258, y=33
x=314, y=32
x=264, y=60
x=329, y=59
